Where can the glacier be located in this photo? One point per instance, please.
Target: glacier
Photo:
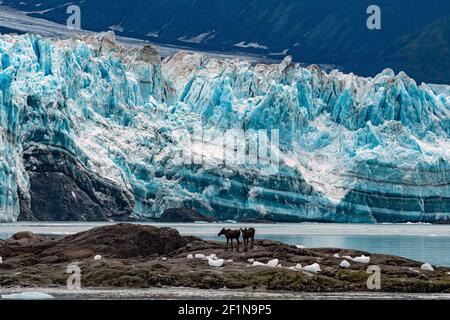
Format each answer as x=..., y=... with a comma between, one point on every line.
x=92, y=130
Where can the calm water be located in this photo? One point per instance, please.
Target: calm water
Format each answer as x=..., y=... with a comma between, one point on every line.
x=222, y=294
x=426, y=243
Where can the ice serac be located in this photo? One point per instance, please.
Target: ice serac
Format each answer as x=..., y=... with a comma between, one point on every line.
x=91, y=130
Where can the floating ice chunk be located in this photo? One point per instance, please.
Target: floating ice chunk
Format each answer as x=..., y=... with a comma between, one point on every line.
x=27, y=296
x=216, y=263
x=273, y=263
x=97, y=257
x=345, y=264
x=314, y=268
x=258, y=264
x=251, y=260
x=299, y=246
x=190, y=256
x=362, y=259
x=427, y=266
x=336, y=255
x=200, y=256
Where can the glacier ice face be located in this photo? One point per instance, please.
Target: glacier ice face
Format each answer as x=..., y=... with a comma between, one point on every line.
x=90, y=130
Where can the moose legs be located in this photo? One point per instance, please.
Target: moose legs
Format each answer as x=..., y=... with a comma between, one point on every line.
x=230, y=244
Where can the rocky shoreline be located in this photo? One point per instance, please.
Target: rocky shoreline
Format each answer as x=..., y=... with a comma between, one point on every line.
x=135, y=256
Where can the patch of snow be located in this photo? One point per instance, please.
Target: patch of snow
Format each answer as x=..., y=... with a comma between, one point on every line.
x=285, y=52
x=299, y=246
x=190, y=256
x=345, y=264
x=202, y=37
x=254, y=45
x=258, y=264
x=97, y=257
x=153, y=34
x=336, y=255
x=164, y=259
x=229, y=261
x=1, y=260
x=251, y=260
x=116, y=28
x=200, y=256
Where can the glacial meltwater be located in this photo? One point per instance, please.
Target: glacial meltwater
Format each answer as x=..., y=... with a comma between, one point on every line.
x=421, y=242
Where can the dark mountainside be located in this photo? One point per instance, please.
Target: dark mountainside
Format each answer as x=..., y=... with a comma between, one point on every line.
x=414, y=35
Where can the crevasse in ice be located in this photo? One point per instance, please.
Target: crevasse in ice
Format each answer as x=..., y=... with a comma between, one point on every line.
x=116, y=121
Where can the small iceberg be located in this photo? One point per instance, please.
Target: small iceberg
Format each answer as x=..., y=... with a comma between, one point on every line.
x=427, y=266
x=27, y=296
x=362, y=259
x=345, y=264
x=273, y=263
x=216, y=263
x=314, y=268
x=298, y=267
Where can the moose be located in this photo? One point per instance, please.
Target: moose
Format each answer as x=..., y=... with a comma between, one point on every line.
x=231, y=235
x=247, y=235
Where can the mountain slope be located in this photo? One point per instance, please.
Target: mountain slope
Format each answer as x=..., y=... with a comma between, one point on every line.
x=321, y=32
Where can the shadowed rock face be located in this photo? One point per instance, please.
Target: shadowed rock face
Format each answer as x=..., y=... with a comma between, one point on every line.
x=61, y=189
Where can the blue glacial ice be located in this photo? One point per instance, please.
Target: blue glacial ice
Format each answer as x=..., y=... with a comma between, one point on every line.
x=106, y=125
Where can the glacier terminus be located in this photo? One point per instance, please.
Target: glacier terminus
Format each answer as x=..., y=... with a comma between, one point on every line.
x=93, y=131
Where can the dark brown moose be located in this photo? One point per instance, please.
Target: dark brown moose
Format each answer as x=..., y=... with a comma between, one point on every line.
x=247, y=235
x=231, y=235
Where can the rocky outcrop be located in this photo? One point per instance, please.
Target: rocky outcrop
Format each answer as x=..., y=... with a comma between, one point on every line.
x=134, y=256
x=121, y=241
